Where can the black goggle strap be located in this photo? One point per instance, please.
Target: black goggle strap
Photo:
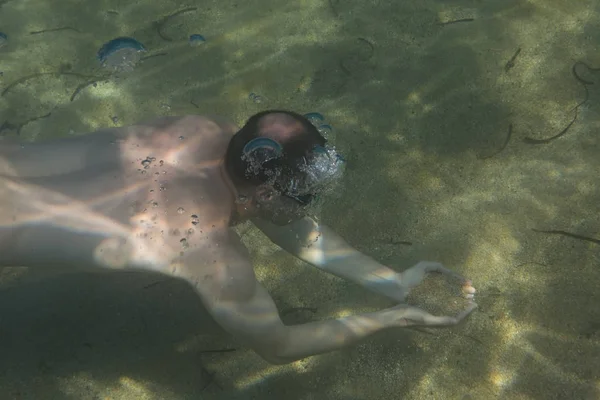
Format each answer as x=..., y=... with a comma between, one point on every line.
x=304, y=199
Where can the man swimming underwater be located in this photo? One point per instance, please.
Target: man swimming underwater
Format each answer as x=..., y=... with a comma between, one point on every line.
x=164, y=195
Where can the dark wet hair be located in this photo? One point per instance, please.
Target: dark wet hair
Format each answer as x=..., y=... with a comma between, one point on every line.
x=287, y=167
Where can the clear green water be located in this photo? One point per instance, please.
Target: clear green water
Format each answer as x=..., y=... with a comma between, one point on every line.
x=419, y=107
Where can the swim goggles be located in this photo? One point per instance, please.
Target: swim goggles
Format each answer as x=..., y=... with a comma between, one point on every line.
x=319, y=168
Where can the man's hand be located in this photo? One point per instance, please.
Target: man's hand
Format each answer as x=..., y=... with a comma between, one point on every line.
x=242, y=306
x=404, y=316
x=407, y=315
x=415, y=275
x=321, y=247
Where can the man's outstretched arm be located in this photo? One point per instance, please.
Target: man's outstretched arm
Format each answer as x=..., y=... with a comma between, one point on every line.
x=320, y=246
x=243, y=307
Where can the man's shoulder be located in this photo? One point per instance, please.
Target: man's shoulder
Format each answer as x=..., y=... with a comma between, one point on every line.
x=191, y=124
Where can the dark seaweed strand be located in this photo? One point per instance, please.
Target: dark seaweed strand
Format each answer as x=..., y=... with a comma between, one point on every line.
x=154, y=283
x=585, y=84
x=24, y=79
x=506, y=140
x=529, y=140
x=579, y=78
x=39, y=74
x=154, y=55
x=79, y=88
x=344, y=68
x=511, y=63
x=62, y=28
x=368, y=43
x=161, y=24
x=568, y=234
x=333, y=8
x=342, y=61
x=585, y=98
x=456, y=21
x=85, y=84
x=31, y=120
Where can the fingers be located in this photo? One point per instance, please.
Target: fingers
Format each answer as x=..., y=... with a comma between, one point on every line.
x=413, y=316
x=415, y=274
x=439, y=268
x=468, y=290
x=468, y=287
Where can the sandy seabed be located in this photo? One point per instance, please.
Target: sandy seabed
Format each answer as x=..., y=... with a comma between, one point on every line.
x=437, y=106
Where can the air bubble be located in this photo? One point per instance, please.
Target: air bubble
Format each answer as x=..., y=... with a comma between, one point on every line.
x=3, y=39
x=255, y=98
x=196, y=39
x=195, y=219
x=315, y=118
x=325, y=130
x=121, y=54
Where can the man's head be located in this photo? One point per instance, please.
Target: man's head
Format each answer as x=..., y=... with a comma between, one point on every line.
x=280, y=162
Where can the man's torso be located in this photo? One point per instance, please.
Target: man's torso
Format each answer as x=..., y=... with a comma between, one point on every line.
x=138, y=196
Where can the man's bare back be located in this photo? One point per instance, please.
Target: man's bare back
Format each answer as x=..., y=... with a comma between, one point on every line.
x=161, y=196
x=125, y=196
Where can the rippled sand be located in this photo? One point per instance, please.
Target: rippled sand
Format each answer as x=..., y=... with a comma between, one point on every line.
x=432, y=113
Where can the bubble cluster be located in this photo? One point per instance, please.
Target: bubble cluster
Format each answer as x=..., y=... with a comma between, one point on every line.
x=3, y=39
x=121, y=54
x=196, y=40
x=255, y=98
x=318, y=120
x=147, y=161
